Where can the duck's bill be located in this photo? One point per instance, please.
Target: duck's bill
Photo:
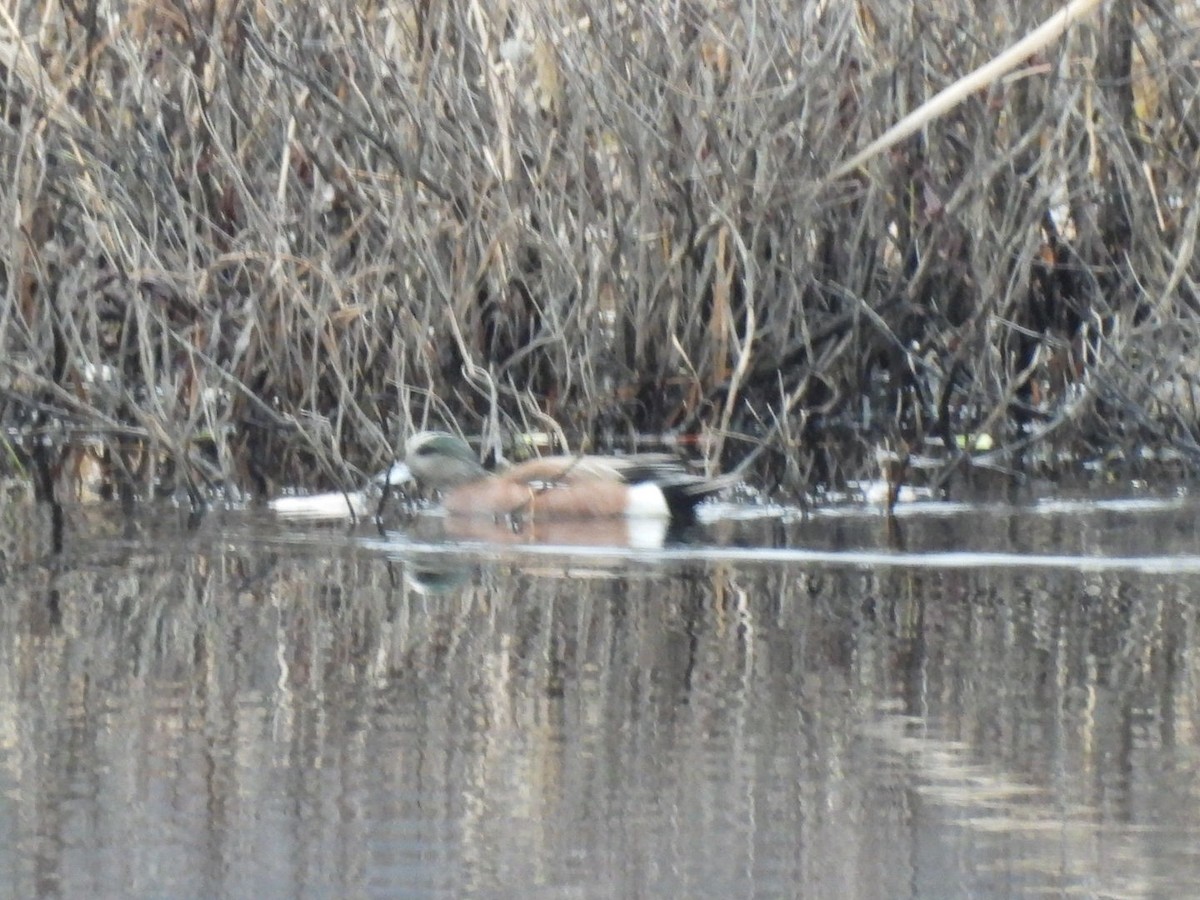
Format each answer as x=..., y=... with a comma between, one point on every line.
x=399, y=473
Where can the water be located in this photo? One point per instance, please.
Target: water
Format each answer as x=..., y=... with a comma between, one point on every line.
x=983, y=700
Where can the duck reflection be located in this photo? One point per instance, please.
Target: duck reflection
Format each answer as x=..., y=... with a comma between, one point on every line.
x=618, y=532
x=635, y=534
x=445, y=570
x=433, y=575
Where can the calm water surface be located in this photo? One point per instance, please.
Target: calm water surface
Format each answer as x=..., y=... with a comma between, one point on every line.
x=819, y=708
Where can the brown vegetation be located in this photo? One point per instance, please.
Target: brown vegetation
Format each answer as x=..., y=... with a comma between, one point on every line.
x=248, y=243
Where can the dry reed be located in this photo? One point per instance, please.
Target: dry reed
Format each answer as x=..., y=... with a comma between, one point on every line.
x=247, y=244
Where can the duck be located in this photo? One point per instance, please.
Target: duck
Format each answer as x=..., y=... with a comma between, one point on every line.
x=571, y=487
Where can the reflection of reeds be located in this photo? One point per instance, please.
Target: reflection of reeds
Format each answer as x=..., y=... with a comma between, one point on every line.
x=254, y=247
x=826, y=719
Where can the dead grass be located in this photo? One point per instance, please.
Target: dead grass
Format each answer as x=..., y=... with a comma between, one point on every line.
x=258, y=243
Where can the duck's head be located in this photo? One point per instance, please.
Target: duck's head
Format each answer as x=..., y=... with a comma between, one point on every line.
x=435, y=459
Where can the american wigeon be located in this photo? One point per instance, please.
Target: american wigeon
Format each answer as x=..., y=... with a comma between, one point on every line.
x=563, y=487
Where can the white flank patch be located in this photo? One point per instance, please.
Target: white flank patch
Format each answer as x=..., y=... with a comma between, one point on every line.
x=647, y=533
x=647, y=501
